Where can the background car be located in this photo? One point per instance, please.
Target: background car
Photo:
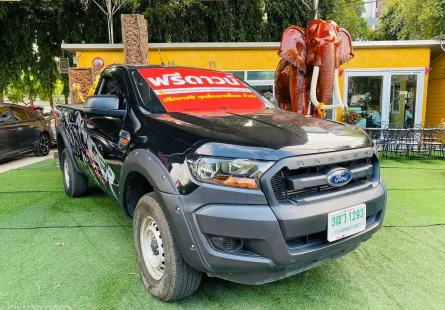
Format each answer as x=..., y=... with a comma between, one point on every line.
x=50, y=117
x=36, y=109
x=22, y=132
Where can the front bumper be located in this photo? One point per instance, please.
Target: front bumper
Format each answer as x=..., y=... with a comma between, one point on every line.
x=267, y=255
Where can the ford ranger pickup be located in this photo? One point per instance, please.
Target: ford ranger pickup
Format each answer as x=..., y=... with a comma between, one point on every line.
x=217, y=179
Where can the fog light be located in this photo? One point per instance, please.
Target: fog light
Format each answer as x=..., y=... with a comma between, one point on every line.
x=226, y=244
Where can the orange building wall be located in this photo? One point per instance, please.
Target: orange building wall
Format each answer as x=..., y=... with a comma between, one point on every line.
x=225, y=59
x=267, y=59
x=435, y=108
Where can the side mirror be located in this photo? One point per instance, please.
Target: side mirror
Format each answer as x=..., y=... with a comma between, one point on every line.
x=103, y=105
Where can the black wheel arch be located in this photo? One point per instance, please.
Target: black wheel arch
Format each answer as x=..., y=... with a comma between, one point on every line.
x=45, y=132
x=62, y=144
x=145, y=164
x=148, y=165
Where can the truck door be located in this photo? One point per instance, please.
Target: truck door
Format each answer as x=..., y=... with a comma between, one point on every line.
x=104, y=131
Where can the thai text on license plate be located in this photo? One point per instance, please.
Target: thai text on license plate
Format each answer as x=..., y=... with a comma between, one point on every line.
x=346, y=222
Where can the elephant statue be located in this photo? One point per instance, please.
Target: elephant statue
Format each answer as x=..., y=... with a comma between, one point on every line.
x=308, y=69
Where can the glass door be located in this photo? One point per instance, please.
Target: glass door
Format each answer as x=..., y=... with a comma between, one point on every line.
x=403, y=100
x=386, y=96
x=365, y=94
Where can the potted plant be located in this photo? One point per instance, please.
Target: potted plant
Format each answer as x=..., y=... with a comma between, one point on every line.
x=351, y=117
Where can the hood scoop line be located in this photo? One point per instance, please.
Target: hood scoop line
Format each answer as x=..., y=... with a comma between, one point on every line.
x=267, y=123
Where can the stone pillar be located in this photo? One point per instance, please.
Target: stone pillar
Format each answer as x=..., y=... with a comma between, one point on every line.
x=80, y=80
x=135, y=39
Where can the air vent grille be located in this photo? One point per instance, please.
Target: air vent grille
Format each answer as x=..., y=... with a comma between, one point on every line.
x=279, y=186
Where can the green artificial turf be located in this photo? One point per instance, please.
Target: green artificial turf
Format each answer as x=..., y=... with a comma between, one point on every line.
x=62, y=253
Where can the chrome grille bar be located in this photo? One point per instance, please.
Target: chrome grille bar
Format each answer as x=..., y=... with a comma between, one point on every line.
x=300, y=182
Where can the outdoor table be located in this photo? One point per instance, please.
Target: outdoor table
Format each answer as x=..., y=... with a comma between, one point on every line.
x=429, y=139
x=407, y=140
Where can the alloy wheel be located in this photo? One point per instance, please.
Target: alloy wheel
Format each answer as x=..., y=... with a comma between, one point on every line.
x=44, y=145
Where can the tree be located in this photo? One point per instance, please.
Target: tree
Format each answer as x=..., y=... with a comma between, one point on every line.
x=241, y=21
x=24, y=90
x=282, y=13
x=80, y=21
x=16, y=43
x=47, y=41
x=109, y=8
x=32, y=31
x=389, y=27
x=235, y=20
x=348, y=14
x=412, y=20
x=199, y=21
x=176, y=21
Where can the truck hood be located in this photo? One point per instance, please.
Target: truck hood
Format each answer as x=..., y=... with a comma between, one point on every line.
x=268, y=134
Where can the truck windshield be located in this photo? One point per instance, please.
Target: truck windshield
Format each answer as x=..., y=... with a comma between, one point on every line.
x=186, y=89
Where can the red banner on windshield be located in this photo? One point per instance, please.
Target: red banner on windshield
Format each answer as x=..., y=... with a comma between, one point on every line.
x=183, y=89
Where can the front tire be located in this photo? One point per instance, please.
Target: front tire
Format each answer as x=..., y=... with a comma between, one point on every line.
x=165, y=273
x=43, y=145
x=75, y=183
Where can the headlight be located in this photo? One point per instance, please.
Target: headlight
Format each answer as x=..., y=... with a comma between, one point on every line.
x=243, y=173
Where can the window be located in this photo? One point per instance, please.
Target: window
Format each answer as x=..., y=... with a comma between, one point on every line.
x=5, y=115
x=403, y=99
x=262, y=81
x=265, y=90
x=109, y=87
x=20, y=113
x=238, y=74
x=260, y=75
x=198, y=90
x=255, y=77
x=365, y=98
x=150, y=101
x=32, y=115
x=385, y=97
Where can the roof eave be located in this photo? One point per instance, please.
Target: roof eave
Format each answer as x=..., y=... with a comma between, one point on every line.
x=73, y=48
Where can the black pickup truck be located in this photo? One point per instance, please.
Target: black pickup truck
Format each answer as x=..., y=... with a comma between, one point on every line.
x=217, y=179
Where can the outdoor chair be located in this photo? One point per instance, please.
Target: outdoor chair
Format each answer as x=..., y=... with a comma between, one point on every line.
x=436, y=142
x=396, y=135
x=381, y=138
x=414, y=142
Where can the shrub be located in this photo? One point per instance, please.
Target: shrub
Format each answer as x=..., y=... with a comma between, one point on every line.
x=351, y=117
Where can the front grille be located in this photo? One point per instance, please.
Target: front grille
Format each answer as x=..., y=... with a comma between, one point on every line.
x=308, y=181
x=279, y=186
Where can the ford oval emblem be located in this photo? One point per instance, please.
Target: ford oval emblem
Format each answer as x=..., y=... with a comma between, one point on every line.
x=339, y=177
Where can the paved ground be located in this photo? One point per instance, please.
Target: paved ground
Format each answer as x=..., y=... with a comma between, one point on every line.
x=23, y=161
x=62, y=253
